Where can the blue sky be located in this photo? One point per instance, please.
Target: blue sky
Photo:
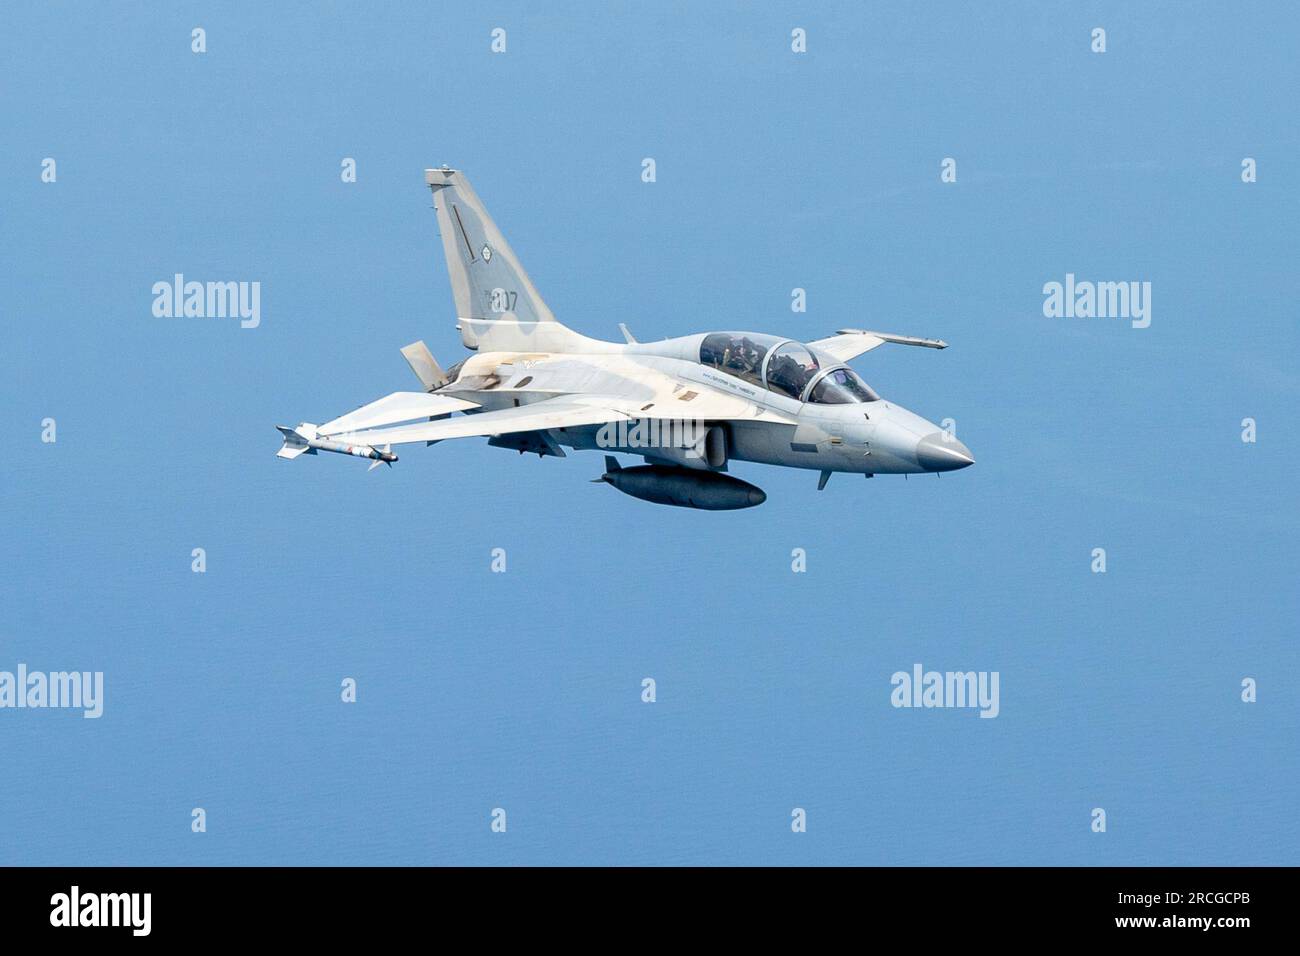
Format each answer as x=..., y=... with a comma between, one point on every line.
x=522, y=690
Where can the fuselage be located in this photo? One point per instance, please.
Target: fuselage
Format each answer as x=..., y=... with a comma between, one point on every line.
x=856, y=432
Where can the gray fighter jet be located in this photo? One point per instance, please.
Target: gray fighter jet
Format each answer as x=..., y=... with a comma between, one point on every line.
x=689, y=406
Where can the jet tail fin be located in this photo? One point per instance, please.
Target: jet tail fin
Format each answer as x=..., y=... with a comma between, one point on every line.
x=497, y=306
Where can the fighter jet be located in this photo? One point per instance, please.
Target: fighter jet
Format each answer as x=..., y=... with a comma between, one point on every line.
x=689, y=406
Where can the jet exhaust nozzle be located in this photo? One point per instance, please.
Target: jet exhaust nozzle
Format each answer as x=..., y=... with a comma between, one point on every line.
x=682, y=487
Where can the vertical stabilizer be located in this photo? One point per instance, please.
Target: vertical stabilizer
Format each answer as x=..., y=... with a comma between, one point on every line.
x=497, y=306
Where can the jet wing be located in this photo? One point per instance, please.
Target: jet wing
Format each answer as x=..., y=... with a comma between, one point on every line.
x=395, y=408
x=675, y=400
x=561, y=412
x=850, y=343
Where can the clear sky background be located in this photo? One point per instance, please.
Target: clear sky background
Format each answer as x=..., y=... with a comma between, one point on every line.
x=522, y=690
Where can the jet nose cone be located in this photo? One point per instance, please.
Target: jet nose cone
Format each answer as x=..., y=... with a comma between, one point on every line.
x=940, y=452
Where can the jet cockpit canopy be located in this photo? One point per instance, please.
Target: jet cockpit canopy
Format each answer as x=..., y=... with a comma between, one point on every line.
x=786, y=367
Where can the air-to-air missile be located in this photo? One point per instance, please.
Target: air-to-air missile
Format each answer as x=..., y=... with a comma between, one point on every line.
x=304, y=441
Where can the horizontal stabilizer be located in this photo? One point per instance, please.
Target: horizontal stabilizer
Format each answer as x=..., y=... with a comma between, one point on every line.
x=424, y=365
